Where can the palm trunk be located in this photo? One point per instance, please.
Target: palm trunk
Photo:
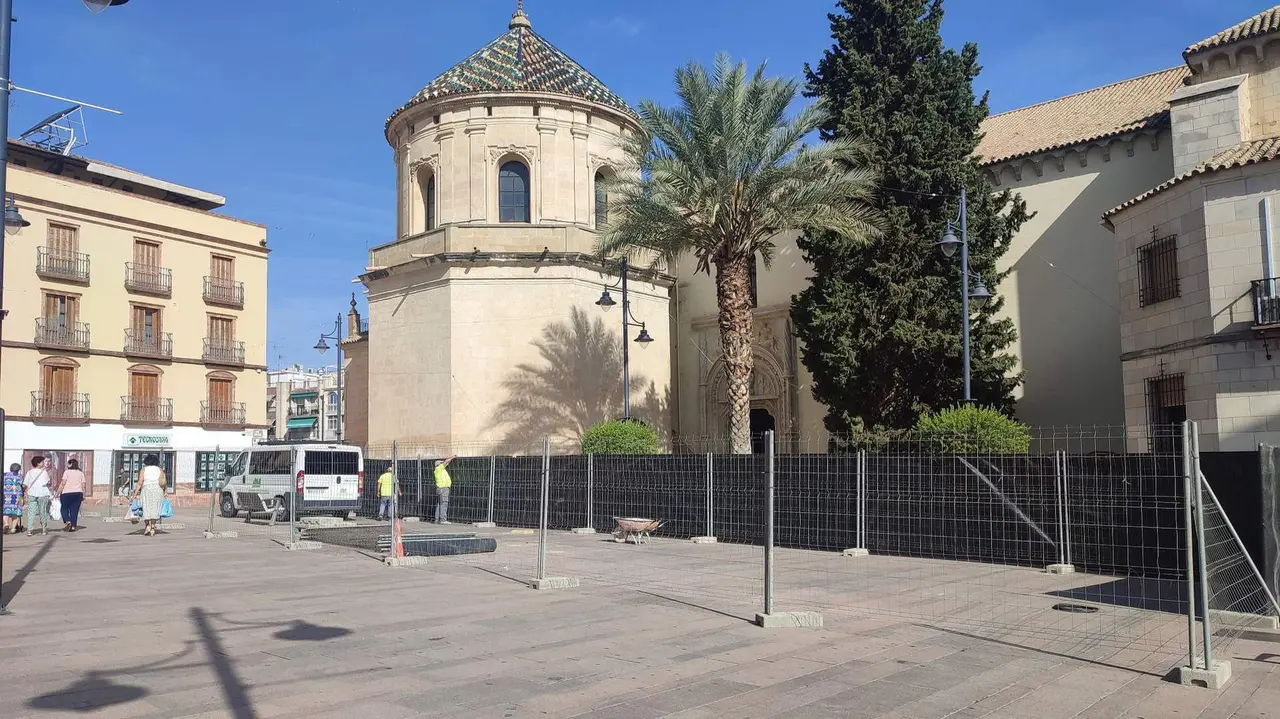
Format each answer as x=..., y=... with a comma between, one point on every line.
x=733, y=295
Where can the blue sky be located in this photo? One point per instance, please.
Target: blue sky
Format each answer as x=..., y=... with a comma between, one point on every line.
x=279, y=105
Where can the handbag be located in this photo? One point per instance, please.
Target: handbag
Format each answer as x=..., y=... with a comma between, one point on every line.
x=55, y=509
x=166, y=509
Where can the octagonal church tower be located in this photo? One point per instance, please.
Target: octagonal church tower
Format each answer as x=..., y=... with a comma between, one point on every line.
x=484, y=334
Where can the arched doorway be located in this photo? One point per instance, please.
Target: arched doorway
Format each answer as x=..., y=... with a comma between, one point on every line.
x=762, y=421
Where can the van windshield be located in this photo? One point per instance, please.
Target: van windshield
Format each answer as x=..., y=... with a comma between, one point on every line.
x=319, y=462
x=235, y=467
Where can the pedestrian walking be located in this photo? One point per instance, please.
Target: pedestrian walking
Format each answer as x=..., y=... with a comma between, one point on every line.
x=38, y=493
x=151, y=483
x=385, y=485
x=13, y=496
x=443, y=484
x=71, y=495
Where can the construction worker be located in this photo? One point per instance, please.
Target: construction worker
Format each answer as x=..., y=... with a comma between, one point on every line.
x=386, y=484
x=443, y=483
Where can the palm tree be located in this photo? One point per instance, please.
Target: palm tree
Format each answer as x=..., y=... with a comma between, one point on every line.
x=722, y=174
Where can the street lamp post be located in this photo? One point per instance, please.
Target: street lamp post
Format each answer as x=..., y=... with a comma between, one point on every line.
x=322, y=347
x=13, y=221
x=979, y=296
x=628, y=321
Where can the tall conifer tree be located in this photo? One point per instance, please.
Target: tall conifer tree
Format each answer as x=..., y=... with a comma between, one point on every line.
x=880, y=323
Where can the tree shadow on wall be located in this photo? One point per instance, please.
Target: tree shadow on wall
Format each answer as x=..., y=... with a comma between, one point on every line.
x=576, y=383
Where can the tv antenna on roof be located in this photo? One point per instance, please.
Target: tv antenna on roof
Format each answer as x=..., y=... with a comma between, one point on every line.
x=63, y=131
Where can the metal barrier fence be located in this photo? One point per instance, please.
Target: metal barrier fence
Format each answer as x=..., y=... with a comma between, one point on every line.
x=1078, y=546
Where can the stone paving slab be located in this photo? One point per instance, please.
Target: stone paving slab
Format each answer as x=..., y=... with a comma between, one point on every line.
x=108, y=623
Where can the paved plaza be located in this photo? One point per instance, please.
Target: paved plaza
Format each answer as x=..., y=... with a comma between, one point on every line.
x=110, y=624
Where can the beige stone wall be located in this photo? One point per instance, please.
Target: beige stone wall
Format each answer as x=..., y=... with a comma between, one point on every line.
x=1261, y=65
x=1061, y=291
x=1208, y=118
x=459, y=352
x=107, y=223
x=1231, y=387
x=355, y=391
x=462, y=141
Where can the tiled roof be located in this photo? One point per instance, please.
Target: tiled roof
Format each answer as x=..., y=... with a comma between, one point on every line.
x=1241, y=155
x=1264, y=22
x=1102, y=112
x=519, y=60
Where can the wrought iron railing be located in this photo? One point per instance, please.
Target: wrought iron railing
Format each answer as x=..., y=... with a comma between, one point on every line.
x=221, y=413
x=59, y=405
x=220, y=291
x=223, y=352
x=62, y=265
x=364, y=326
x=1266, y=302
x=149, y=410
x=141, y=343
x=56, y=332
x=149, y=279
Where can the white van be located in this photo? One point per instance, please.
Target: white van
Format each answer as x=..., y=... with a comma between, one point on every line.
x=325, y=478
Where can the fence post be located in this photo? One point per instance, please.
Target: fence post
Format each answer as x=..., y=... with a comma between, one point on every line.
x=1209, y=674
x=493, y=475
x=859, y=548
x=1189, y=521
x=1063, y=566
x=542, y=581
x=710, y=536
x=1193, y=451
x=590, y=526
x=422, y=504
x=397, y=548
x=768, y=529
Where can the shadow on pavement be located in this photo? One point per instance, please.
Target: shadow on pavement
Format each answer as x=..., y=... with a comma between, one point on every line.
x=14, y=585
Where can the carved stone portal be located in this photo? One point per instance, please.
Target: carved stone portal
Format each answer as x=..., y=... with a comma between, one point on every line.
x=770, y=383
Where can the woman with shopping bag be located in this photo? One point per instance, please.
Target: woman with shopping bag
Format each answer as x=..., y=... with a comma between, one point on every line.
x=71, y=494
x=151, y=482
x=38, y=493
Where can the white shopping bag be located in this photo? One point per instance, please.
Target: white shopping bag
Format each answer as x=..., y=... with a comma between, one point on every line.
x=55, y=509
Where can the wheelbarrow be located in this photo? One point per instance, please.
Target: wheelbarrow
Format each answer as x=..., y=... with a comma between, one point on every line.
x=635, y=529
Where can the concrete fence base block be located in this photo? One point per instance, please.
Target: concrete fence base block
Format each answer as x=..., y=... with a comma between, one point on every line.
x=583, y=530
x=321, y=521
x=1216, y=677
x=171, y=525
x=788, y=620
x=555, y=583
x=1219, y=617
x=406, y=561
x=302, y=545
x=524, y=531
x=1061, y=569
x=113, y=519
x=856, y=552
x=703, y=540
x=412, y=519
x=221, y=535
x=484, y=525
x=91, y=514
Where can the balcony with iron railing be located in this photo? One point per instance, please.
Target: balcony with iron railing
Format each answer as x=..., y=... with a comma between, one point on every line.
x=224, y=352
x=58, y=333
x=140, y=343
x=67, y=407
x=146, y=410
x=1266, y=302
x=364, y=327
x=230, y=414
x=148, y=279
x=62, y=265
x=228, y=293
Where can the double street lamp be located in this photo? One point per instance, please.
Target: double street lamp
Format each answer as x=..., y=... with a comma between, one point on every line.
x=322, y=347
x=628, y=321
x=979, y=295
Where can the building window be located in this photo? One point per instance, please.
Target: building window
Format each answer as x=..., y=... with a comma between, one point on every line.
x=1158, y=271
x=222, y=268
x=431, y=202
x=513, y=192
x=753, y=281
x=602, y=202
x=146, y=325
x=332, y=424
x=61, y=310
x=1166, y=410
x=333, y=400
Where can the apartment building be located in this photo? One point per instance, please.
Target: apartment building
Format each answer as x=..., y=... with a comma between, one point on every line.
x=303, y=404
x=136, y=323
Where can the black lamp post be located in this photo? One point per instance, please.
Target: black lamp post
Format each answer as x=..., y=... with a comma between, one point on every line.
x=322, y=347
x=628, y=321
x=979, y=296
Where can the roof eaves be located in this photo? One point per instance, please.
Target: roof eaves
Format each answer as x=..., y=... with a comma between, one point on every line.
x=1158, y=121
x=1244, y=154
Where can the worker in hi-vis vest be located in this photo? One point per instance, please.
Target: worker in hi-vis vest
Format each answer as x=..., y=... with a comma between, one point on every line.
x=385, y=482
x=443, y=483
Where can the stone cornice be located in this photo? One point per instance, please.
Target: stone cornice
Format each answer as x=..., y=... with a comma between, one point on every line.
x=532, y=259
x=1058, y=156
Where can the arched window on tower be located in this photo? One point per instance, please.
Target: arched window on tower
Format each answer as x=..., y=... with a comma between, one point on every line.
x=513, y=192
x=430, y=201
x=602, y=201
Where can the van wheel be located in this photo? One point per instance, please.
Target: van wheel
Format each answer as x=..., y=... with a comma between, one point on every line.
x=283, y=508
x=227, y=507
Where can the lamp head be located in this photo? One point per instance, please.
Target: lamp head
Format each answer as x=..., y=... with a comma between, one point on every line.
x=949, y=244
x=979, y=295
x=606, y=301
x=97, y=6
x=643, y=339
x=322, y=346
x=13, y=220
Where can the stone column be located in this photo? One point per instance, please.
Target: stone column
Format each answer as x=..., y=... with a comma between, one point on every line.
x=449, y=191
x=581, y=181
x=478, y=173
x=550, y=207
x=402, y=191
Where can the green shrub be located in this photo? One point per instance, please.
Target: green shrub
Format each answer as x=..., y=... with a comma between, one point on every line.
x=619, y=436
x=973, y=430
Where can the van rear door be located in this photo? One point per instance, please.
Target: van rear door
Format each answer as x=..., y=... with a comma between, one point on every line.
x=331, y=479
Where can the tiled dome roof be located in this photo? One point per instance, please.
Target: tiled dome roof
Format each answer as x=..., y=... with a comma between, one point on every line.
x=519, y=60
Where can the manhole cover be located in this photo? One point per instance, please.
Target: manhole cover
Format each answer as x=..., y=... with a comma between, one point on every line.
x=1075, y=608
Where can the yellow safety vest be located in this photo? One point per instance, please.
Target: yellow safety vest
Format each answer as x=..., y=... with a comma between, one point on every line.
x=443, y=480
x=384, y=484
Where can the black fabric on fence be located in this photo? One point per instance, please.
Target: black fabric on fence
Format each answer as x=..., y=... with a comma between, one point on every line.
x=1236, y=479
